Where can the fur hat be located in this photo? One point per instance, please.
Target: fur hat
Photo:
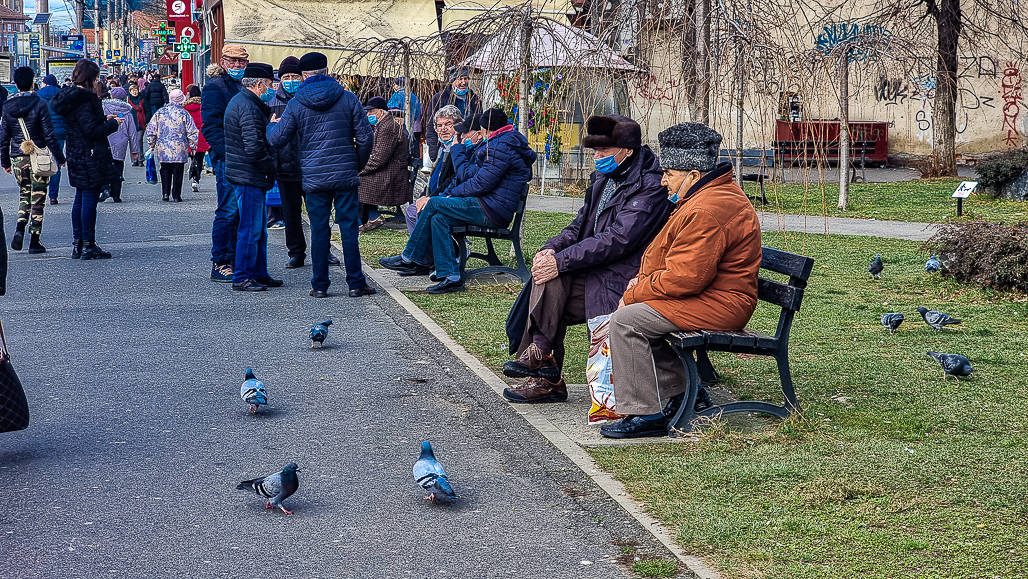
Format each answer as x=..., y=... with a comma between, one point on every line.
x=234, y=51
x=313, y=61
x=493, y=119
x=689, y=147
x=376, y=102
x=612, y=131
x=290, y=65
x=259, y=70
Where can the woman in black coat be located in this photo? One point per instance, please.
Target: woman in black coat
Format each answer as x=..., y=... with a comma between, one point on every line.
x=90, y=165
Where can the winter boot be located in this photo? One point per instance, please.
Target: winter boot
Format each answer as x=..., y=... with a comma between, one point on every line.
x=76, y=249
x=34, y=245
x=19, y=237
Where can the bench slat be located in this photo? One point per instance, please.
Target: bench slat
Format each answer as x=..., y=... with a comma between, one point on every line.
x=790, y=264
x=779, y=294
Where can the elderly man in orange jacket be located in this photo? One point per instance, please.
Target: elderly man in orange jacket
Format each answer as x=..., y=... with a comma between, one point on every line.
x=700, y=272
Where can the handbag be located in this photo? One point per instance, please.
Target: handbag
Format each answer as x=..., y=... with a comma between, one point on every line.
x=151, y=168
x=14, y=408
x=42, y=160
x=599, y=372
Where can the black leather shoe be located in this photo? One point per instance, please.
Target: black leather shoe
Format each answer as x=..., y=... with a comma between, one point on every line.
x=332, y=260
x=635, y=427
x=249, y=285
x=271, y=282
x=318, y=293
x=294, y=262
x=396, y=263
x=363, y=291
x=94, y=252
x=447, y=287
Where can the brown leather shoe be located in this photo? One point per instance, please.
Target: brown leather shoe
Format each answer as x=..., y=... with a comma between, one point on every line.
x=532, y=363
x=537, y=390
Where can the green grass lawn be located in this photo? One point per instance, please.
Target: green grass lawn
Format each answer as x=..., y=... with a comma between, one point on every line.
x=890, y=471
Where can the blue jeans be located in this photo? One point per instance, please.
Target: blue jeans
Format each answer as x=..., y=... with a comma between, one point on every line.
x=226, y=217
x=252, y=238
x=55, y=181
x=432, y=232
x=83, y=214
x=319, y=208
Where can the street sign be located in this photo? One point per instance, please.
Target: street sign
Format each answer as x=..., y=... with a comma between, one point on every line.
x=179, y=9
x=185, y=49
x=965, y=189
x=34, y=46
x=117, y=53
x=41, y=19
x=72, y=38
x=110, y=54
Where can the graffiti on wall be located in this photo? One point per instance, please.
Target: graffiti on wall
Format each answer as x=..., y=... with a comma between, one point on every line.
x=1010, y=88
x=838, y=33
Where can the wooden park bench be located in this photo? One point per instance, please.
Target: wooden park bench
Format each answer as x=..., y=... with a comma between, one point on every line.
x=762, y=159
x=692, y=347
x=490, y=234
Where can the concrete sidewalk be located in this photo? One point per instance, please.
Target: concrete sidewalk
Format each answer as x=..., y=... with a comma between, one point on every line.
x=770, y=221
x=132, y=368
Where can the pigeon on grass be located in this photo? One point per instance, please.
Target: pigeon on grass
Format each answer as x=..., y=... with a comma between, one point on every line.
x=319, y=332
x=274, y=487
x=933, y=264
x=892, y=321
x=937, y=319
x=876, y=267
x=430, y=475
x=952, y=364
x=252, y=391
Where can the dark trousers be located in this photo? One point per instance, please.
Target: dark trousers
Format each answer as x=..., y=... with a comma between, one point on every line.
x=292, y=208
x=552, y=307
x=319, y=208
x=83, y=215
x=431, y=241
x=252, y=238
x=196, y=165
x=171, y=179
x=119, y=169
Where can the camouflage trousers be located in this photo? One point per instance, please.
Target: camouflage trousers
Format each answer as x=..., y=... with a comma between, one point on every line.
x=33, y=195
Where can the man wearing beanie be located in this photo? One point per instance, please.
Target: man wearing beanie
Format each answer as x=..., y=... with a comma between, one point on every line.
x=224, y=84
x=580, y=274
x=334, y=139
x=487, y=199
x=700, y=272
x=459, y=94
x=26, y=107
x=250, y=168
x=47, y=93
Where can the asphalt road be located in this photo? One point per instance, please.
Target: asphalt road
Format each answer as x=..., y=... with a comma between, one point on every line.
x=132, y=367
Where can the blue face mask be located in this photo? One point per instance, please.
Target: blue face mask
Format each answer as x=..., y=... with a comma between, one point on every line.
x=236, y=73
x=469, y=143
x=606, y=165
x=268, y=95
x=461, y=91
x=291, y=86
x=373, y=120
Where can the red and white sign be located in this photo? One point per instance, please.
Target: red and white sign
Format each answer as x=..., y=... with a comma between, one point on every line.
x=179, y=9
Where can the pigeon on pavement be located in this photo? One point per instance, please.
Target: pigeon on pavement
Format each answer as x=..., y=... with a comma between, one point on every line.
x=892, y=321
x=876, y=267
x=937, y=319
x=274, y=487
x=933, y=264
x=430, y=475
x=319, y=332
x=953, y=364
x=252, y=391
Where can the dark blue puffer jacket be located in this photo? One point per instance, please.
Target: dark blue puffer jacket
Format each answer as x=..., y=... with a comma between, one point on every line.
x=333, y=134
x=47, y=93
x=506, y=165
x=213, y=102
x=248, y=159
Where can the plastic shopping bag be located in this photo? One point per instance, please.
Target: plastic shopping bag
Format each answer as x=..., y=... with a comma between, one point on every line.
x=598, y=371
x=151, y=168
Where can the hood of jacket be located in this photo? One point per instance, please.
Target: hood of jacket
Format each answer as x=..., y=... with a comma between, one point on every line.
x=513, y=139
x=19, y=105
x=47, y=92
x=320, y=93
x=192, y=104
x=71, y=97
x=115, y=106
x=215, y=70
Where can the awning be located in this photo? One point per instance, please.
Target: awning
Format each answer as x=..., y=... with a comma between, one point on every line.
x=553, y=45
x=274, y=29
x=460, y=11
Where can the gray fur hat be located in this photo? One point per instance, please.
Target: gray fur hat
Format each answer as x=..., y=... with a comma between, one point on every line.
x=689, y=147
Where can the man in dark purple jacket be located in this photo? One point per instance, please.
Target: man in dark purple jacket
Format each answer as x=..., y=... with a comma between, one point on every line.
x=583, y=271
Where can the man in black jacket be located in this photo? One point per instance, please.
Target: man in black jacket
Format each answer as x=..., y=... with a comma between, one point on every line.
x=26, y=106
x=459, y=94
x=155, y=96
x=250, y=168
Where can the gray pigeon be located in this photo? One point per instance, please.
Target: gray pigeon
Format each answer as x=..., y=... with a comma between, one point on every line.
x=892, y=321
x=319, y=332
x=953, y=364
x=430, y=475
x=933, y=264
x=937, y=319
x=274, y=487
x=252, y=391
x=876, y=267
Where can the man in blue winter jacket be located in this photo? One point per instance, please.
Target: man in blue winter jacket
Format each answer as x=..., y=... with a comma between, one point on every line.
x=488, y=199
x=335, y=139
x=48, y=92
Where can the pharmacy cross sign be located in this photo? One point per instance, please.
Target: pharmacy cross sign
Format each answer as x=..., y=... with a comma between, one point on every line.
x=162, y=31
x=185, y=49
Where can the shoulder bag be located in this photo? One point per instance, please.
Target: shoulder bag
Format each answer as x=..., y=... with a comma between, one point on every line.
x=14, y=409
x=43, y=164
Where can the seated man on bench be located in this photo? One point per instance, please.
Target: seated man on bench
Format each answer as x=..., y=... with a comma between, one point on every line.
x=582, y=272
x=699, y=273
x=487, y=199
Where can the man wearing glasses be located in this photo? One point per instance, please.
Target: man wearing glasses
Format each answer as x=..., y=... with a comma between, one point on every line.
x=224, y=84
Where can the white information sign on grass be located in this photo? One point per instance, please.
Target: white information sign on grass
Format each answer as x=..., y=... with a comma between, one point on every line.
x=965, y=189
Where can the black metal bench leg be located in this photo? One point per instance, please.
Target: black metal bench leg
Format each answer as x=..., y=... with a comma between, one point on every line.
x=785, y=374
x=462, y=254
x=708, y=375
x=492, y=258
x=682, y=420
